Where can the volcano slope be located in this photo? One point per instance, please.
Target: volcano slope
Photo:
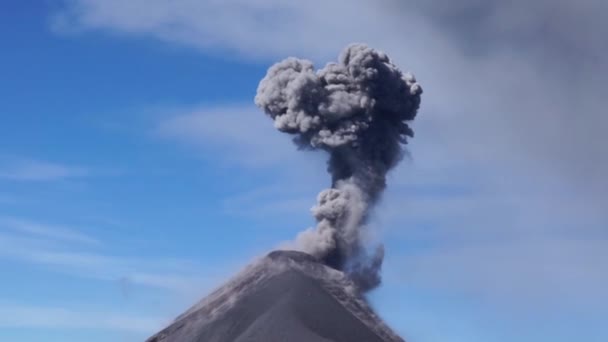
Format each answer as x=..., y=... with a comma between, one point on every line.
x=286, y=296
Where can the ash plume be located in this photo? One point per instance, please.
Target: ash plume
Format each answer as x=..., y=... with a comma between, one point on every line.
x=357, y=110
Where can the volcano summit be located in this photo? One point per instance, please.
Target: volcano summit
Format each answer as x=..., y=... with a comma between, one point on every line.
x=286, y=296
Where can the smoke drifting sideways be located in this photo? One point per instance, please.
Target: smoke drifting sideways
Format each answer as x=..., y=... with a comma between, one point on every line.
x=357, y=110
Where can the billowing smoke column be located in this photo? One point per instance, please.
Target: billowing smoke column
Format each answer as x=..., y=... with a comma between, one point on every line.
x=357, y=110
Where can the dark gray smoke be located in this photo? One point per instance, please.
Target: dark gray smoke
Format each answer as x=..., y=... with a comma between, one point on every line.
x=357, y=110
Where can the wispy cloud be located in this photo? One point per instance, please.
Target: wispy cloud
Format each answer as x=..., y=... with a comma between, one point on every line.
x=36, y=317
x=54, y=232
x=238, y=134
x=35, y=170
x=161, y=273
x=271, y=201
x=69, y=251
x=243, y=136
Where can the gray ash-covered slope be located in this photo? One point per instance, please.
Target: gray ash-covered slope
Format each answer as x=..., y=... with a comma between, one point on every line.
x=286, y=296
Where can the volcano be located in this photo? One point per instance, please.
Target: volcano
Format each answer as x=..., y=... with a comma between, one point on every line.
x=286, y=296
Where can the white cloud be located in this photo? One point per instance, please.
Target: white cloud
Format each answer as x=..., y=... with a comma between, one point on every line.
x=243, y=136
x=69, y=252
x=241, y=133
x=136, y=271
x=268, y=206
x=263, y=25
x=34, y=170
x=53, y=232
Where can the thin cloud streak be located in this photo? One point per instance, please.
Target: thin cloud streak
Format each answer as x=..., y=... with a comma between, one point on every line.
x=241, y=133
x=40, y=171
x=68, y=257
x=53, y=232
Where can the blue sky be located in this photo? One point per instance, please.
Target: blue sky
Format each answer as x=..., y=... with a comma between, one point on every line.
x=136, y=174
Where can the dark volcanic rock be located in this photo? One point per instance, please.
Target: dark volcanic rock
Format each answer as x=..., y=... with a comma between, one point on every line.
x=285, y=297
